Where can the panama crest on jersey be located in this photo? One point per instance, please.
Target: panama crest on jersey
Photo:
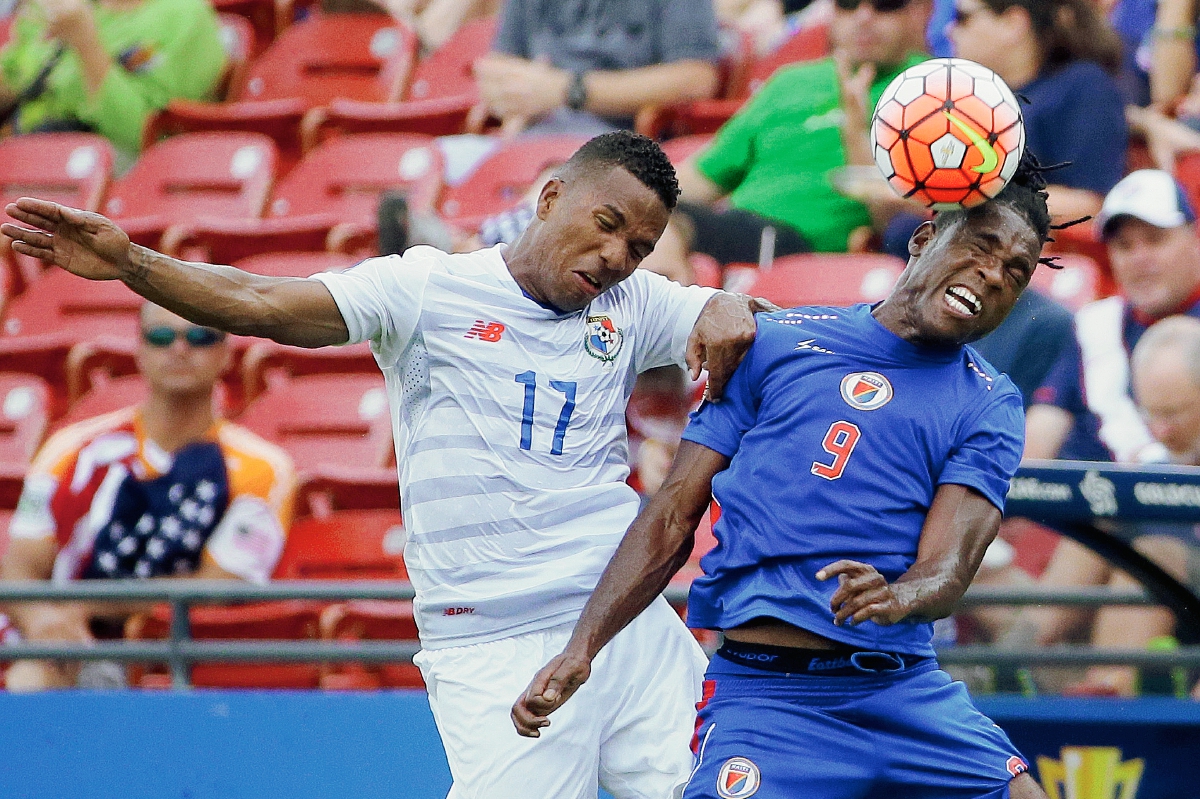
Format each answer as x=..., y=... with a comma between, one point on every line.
x=602, y=339
x=738, y=778
x=866, y=391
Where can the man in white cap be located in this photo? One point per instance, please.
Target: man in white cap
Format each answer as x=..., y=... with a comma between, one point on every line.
x=1085, y=409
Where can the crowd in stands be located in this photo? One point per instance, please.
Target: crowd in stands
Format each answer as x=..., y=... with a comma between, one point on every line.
x=463, y=107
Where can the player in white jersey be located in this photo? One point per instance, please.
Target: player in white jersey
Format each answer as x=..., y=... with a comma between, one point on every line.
x=508, y=372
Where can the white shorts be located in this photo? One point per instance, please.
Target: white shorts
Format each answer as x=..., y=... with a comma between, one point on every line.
x=627, y=729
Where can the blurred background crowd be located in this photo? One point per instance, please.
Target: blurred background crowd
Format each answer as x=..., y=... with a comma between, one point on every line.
x=294, y=136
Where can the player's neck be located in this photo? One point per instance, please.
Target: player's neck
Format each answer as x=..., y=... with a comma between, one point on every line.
x=172, y=421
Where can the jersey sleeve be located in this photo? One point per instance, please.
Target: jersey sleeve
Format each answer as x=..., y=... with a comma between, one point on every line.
x=721, y=425
x=989, y=450
x=667, y=312
x=380, y=299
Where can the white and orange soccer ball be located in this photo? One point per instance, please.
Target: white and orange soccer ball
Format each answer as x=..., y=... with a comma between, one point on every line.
x=948, y=132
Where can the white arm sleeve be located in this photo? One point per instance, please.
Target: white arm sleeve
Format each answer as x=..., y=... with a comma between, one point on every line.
x=668, y=312
x=380, y=298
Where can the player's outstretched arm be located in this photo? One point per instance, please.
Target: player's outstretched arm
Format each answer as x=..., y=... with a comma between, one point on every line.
x=288, y=310
x=722, y=336
x=656, y=546
x=958, y=528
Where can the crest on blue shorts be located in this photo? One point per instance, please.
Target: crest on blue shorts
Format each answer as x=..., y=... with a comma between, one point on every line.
x=602, y=338
x=738, y=778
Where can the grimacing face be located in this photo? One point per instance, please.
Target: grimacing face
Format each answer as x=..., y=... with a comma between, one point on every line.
x=965, y=278
x=179, y=368
x=597, y=226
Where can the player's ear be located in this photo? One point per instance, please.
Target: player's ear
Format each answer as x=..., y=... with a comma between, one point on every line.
x=549, y=195
x=921, y=238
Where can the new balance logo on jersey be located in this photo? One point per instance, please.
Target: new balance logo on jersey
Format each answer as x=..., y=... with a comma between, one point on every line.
x=486, y=331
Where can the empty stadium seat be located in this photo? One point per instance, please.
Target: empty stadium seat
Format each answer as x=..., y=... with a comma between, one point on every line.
x=333, y=487
x=295, y=264
x=346, y=545
x=371, y=620
x=238, y=38
x=24, y=415
x=335, y=189
x=265, y=361
x=62, y=303
x=707, y=116
x=69, y=168
x=436, y=102
x=325, y=419
x=827, y=279
x=501, y=180
x=197, y=174
x=356, y=56
x=288, y=621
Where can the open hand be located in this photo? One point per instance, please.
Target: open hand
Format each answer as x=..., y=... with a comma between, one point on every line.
x=548, y=691
x=518, y=87
x=721, y=336
x=83, y=243
x=863, y=594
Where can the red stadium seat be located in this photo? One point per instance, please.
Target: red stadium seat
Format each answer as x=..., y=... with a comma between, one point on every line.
x=356, y=56
x=259, y=14
x=371, y=620
x=827, y=279
x=682, y=148
x=69, y=168
x=60, y=302
x=238, y=39
x=287, y=621
x=329, y=488
x=1084, y=239
x=266, y=361
x=707, y=116
x=24, y=413
x=325, y=419
x=436, y=102
x=329, y=199
x=197, y=174
x=346, y=545
x=295, y=264
x=501, y=180
x=1074, y=285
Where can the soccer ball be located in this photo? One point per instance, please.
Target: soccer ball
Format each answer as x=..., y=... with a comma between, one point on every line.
x=948, y=133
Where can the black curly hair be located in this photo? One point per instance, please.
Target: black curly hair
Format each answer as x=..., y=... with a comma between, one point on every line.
x=1026, y=194
x=638, y=155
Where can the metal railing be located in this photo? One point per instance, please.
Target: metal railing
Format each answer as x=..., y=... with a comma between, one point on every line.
x=180, y=650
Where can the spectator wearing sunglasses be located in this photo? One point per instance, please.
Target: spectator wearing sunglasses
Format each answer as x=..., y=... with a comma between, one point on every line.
x=772, y=163
x=161, y=490
x=1063, y=57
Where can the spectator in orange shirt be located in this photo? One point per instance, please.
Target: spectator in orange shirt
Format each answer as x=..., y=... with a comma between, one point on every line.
x=161, y=490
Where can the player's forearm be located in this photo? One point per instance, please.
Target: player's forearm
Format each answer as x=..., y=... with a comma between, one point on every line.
x=960, y=525
x=624, y=92
x=656, y=546
x=232, y=300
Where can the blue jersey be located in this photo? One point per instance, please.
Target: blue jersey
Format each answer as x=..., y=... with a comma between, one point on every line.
x=839, y=433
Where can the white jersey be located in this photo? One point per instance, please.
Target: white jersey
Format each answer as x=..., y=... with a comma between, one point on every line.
x=509, y=421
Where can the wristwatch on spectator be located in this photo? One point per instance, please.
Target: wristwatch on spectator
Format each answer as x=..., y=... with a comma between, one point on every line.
x=576, y=92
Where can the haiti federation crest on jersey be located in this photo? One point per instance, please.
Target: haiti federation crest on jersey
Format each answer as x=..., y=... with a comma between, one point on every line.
x=603, y=338
x=866, y=391
x=738, y=778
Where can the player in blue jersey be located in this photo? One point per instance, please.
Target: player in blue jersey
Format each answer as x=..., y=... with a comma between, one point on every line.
x=861, y=458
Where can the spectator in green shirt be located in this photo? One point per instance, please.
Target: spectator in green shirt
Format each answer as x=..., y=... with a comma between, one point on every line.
x=773, y=160
x=109, y=64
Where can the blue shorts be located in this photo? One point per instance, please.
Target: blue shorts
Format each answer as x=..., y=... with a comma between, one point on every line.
x=907, y=733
